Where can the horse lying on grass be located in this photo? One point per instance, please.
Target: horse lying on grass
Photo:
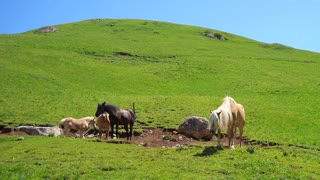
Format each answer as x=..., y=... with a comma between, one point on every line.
x=229, y=115
x=81, y=125
x=125, y=117
x=104, y=124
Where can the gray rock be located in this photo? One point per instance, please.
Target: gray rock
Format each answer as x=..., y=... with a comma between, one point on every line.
x=196, y=127
x=42, y=131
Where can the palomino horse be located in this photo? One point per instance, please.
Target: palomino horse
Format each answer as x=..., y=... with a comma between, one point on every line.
x=118, y=117
x=230, y=115
x=104, y=124
x=81, y=125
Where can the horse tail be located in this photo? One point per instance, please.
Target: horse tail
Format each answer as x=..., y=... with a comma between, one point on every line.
x=133, y=114
x=61, y=123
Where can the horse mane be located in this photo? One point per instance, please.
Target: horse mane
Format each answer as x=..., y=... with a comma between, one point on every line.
x=110, y=109
x=224, y=113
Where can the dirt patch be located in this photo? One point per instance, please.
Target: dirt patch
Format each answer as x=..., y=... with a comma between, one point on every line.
x=165, y=138
x=150, y=138
x=122, y=54
x=159, y=137
x=13, y=133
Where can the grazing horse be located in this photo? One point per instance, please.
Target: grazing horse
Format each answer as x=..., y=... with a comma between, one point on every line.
x=81, y=125
x=118, y=117
x=238, y=115
x=229, y=115
x=104, y=124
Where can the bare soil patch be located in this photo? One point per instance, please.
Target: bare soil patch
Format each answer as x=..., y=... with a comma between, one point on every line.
x=150, y=138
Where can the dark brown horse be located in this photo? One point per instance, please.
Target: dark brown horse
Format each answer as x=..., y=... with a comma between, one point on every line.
x=118, y=117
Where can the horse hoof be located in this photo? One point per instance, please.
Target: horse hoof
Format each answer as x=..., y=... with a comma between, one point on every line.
x=220, y=147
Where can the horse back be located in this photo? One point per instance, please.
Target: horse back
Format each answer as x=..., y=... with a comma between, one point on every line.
x=77, y=124
x=126, y=116
x=112, y=110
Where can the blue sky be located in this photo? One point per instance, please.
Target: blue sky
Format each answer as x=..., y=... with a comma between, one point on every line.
x=290, y=22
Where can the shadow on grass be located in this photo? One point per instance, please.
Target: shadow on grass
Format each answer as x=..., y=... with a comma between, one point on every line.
x=208, y=151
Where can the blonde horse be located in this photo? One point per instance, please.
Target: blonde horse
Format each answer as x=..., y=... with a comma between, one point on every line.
x=104, y=124
x=81, y=125
x=229, y=115
x=238, y=115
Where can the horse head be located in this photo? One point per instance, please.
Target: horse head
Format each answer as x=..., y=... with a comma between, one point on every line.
x=100, y=109
x=214, y=118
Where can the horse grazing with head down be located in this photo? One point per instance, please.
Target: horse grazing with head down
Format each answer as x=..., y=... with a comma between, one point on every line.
x=104, y=124
x=81, y=125
x=125, y=117
x=229, y=115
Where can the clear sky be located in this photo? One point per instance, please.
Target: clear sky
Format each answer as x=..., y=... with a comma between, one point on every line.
x=294, y=23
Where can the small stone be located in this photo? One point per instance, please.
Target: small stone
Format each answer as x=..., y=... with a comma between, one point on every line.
x=20, y=138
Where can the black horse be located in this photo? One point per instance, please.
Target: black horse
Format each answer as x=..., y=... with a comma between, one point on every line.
x=118, y=117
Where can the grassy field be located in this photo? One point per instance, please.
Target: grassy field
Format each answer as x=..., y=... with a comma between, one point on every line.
x=66, y=158
x=171, y=72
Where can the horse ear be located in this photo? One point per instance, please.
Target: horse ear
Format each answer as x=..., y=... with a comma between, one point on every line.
x=103, y=103
x=218, y=113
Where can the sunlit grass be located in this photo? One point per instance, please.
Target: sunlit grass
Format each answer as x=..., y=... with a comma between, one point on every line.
x=173, y=72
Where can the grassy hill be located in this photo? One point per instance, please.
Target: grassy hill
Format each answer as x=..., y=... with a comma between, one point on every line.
x=170, y=71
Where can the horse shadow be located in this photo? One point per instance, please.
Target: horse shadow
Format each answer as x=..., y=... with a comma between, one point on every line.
x=209, y=151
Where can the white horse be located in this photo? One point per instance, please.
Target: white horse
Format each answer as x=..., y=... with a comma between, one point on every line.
x=229, y=115
x=81, y=125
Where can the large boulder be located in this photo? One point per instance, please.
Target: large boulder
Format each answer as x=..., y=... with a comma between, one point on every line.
x=43, y=131
x=196, y=127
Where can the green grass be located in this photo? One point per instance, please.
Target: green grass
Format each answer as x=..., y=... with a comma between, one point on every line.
x=174, y=72
x=66, y=158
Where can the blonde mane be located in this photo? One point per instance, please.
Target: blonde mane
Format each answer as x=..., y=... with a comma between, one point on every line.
x=224, y=113
x=229, y=115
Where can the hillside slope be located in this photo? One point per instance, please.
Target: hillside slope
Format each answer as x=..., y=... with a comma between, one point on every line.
x=170, y=71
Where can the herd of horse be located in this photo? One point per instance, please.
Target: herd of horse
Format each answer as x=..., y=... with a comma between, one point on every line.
x=230, y=115
x=108, y=116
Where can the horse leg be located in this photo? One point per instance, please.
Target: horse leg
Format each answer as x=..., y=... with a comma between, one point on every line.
x=230, y=138
x=112, y=126
x=107, y=133
x=127, y=131
x=219, y=138
x=81, y=134
x=65, y=131
x=100, y=133
x=131, y=127
x=117, y=127
x=241, y=132
x=234, y=136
